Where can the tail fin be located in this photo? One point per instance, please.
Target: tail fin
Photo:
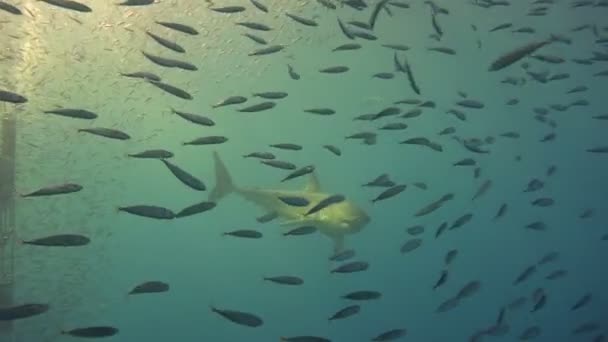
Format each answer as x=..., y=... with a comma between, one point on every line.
x=223, y=180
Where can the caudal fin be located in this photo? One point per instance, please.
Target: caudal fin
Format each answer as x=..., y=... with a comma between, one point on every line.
x=223, y=180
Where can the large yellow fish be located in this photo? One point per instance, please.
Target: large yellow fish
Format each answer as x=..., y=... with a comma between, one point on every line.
x=335, y=221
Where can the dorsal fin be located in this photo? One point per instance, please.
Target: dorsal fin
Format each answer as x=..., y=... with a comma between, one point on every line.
x=313, y=184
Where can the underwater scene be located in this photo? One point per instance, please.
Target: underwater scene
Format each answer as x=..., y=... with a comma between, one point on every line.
x=303, y=170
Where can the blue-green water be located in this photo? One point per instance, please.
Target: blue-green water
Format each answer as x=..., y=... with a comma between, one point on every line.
x=61, y=58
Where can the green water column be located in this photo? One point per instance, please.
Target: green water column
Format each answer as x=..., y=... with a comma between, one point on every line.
x=7, y=217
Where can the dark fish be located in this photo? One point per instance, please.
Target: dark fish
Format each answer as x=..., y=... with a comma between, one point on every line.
x=69, y=4
x=92, y=332
x=443, y=277
x=232, y=100
x=577, y=89
x=389, y=111
x=410, y=245
x=259, y=6
x=334, y=69
x=208, y=140
x=525, y=275
x=381, y=181
x=543, y=202
x=152, y=154
x=345, y=30
x=501, y=211
x=586, y=328
x=173, y=90
x=384, y=75
x=267, y=50
x=194, y=118
x=169, y=63
x=448, y=304
x=465, y=162
x=421, y=141
x=343, y=255
x=364, y=35
x=150, y=287
x=228, y=9
x=444, y=50
x=185, y=177
x=285, y=280
x=9, y=8
x=136, y=3
x=320, y=111
x=461, y=221
x=279, y=164
x=548, y=258
x=244, y=233
x=363, y=295
x=450, y=256
x=254, y=26
x=73, y=113
x=390, y=192
x=258, y=107
x=483, y=188
x=22, y=311
x=434, y=205
x=534, y=185
x=598, y=149
x=327, y=3
x=512, y=135
x=333, y=149
x=542, y=301
x=300, y=172
x=556, y=275
x=351, y=267
x=326, y=202
x=62, y=240
x=398, y=47
x=239, y=317
x=410, y=76
x=294, y=201
x=517, y=54
x=149, y=211
x=302, y=230
x=537, y=225
x=304, y=339
x=292, y=73
x=395, y=126
x=196, y=209
x=106, y=132
x=255, y=38
x=415, y=230
x=272, y=95
x=347, y=47
x=179, y=27
x=501, y=27
x=390, y=335
x=287, y=146
x=7, y=96
x=301, y=20
x=346, y=312
x=379, y=6
x=166, y=43
x=142, y=74
x=469, y=289
x=582, y=302
x=468, y=103
x=268, y=217
x=66, y=188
